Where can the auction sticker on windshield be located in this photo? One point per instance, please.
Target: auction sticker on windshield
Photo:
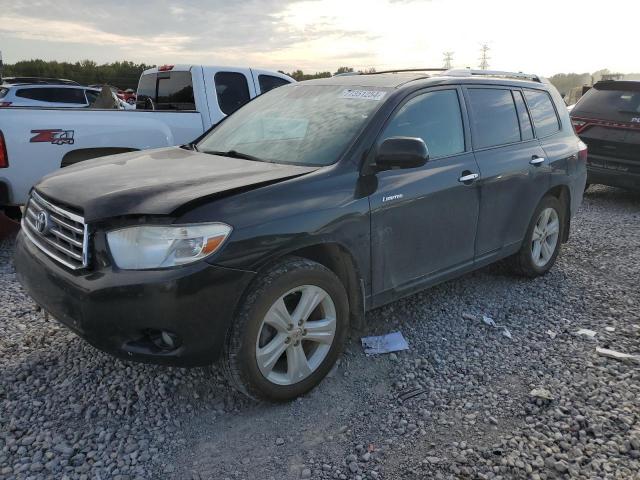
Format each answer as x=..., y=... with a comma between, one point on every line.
x=363, y=94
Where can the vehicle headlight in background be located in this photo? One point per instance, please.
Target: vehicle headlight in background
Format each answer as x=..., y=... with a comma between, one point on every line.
x=161, y=246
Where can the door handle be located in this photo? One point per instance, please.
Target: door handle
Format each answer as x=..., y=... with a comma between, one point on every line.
x=470, y=177
x=537, y=160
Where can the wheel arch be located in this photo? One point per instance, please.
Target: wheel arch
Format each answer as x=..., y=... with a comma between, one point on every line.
x=563, y=194
x=337, y=258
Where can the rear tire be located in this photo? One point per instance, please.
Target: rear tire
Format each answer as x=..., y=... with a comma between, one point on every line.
x=289, y=331
x=542, y=242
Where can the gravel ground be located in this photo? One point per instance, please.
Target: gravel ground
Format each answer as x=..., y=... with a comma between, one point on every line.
x=465, y=401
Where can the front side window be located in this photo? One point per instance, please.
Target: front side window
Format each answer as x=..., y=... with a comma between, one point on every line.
x=269, y=82
x=297, y=124
x=494, y=117
x=543, y=113
x=232, y=90
x=435, y=117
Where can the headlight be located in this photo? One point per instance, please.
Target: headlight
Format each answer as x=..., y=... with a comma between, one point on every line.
x=161, y=246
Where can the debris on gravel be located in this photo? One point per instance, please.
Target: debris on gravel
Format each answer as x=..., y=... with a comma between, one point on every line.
x=463, y=402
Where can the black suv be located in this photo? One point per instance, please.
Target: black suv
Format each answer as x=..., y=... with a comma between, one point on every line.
x=607, y=119
x=261, y=242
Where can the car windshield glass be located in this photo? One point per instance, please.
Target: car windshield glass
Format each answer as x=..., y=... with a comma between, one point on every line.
x=296, y=124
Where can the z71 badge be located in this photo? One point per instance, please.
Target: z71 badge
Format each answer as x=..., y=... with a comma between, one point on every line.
x=55, y=137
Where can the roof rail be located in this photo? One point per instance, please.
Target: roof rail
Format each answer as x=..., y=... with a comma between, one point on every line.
x=465, y=72
x=402, y=70
x=397, y=70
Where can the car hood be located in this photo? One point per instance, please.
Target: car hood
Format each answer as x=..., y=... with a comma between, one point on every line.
x=156, y=182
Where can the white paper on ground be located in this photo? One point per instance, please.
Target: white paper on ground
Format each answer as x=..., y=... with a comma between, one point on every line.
x=391, y=342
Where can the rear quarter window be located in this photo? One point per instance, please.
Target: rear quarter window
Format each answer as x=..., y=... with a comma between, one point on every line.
x=3, y=92
x=493, y=117
x=545, y=118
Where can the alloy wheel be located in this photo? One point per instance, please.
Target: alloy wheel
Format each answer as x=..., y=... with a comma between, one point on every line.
x=296, y=335
x=545, y=237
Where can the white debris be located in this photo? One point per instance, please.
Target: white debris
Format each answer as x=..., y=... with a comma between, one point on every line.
x=392, y=342
x=491, y=322
x=552, y=334
x=542, y=393
x=586, y=332
x=610, y=329
x=605, y=352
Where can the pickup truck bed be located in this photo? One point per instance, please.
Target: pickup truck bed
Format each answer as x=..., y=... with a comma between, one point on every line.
x=176, y=104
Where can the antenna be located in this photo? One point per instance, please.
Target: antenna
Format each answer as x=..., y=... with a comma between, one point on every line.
x=448, y=59
x=484, y=56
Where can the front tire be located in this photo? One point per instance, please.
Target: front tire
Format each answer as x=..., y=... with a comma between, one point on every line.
x=542, y=242
x=289, y=331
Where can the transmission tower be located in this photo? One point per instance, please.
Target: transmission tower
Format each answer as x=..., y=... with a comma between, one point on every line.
x=448, y=59
x=484, y=56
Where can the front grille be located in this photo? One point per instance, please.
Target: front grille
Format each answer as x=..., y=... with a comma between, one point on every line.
x=57, y=232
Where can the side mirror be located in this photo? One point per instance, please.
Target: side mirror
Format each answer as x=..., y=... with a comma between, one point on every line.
x=401, y=152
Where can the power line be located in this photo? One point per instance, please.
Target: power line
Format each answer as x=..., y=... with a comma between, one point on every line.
x=484, y=56
x=448, y=59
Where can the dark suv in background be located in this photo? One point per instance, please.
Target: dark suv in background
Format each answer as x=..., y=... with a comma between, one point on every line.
x=305, y=208
x=607, y=119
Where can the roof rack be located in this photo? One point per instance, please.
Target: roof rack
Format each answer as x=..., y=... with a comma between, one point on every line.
x=465, y=72
x=397, y=70
x=403, y=70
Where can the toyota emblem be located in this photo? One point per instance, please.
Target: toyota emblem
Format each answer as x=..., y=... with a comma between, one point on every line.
x=42, y=222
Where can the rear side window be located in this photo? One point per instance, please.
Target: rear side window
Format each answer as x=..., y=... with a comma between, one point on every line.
x=232, y=90
x=494, y=117
x=54, y=95
x=435, y=117
x=526, y=131
x=544, y=114
x=166, y=91
x=269, y=82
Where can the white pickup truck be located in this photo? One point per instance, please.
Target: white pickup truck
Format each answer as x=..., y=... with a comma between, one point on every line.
x=175, y=105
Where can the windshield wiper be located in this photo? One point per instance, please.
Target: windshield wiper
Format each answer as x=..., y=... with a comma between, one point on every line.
x=190, y=146
x=236, y=154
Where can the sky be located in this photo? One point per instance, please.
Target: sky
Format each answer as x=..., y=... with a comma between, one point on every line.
x=541, y=36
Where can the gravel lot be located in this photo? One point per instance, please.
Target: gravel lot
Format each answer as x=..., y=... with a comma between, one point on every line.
x=457, y=405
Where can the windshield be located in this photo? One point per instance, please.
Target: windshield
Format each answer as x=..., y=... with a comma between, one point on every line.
x=296, y=124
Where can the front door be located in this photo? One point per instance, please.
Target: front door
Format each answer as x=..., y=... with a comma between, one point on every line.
x=424, y=219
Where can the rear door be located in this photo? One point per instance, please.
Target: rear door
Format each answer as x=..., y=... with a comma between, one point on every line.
x=513, y=169
x=607, y=119
x=423, y=220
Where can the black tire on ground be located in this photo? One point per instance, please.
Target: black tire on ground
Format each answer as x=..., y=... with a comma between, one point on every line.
x=522, y=262
x=586, y=186
x=239, y=361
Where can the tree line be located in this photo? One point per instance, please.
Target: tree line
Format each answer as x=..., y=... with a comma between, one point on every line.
x=126, y=74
